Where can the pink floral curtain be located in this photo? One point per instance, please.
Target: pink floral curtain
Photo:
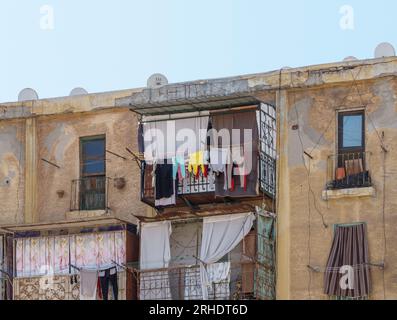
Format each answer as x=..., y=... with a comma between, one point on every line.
x=98, y=251
x=51, y=255
x=40, y=256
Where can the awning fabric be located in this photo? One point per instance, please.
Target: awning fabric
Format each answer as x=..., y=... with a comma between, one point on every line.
x=349, y=251
x=221, y=235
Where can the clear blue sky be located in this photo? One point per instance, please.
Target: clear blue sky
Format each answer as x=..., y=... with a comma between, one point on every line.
x=105, y=45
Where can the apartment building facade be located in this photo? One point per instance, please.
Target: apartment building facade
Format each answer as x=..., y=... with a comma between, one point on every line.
x=82, y=172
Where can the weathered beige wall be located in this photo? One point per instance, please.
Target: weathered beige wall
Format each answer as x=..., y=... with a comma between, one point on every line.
x=12, y=158
x=314, y=110
x=58, y=142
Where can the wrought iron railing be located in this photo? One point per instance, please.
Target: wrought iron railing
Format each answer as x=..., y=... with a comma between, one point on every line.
x=57, y=287
x=89, y=193
x=184, y=283
x=191, y=185
x=349, y=170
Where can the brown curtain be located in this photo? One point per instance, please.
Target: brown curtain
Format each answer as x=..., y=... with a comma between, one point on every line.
x=240, y=121
x=349, y=248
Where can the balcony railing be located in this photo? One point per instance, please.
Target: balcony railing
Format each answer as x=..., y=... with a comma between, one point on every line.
x=183, y=283
x=349, y=170
x=89, y=193
x=189, y=186
x=205, y=186
x=57, y=287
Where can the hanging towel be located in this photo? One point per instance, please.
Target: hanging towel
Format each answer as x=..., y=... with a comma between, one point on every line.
x=178, y=168
x=88, y=284
x=196, y=161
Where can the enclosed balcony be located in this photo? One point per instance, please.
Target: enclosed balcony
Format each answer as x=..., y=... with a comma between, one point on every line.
x=204, y=188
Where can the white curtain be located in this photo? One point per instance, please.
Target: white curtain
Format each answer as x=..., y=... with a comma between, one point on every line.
x=220, y=236
x=155, y=254
x=155, y=245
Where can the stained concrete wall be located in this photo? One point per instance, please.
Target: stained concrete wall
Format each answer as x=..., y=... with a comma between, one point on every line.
x=12, y=155
x=51, y=129
x=59, y=142
x=305, y=240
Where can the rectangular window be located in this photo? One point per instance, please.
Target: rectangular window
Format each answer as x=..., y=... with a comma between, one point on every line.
x=93, y=156
x=351, y=127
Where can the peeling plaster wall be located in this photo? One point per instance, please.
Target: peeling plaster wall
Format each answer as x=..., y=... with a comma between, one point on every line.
x=315, y=112
x=59, y=142
x=12, y=155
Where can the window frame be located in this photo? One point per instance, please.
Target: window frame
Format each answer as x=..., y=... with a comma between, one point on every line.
x=341, y=148
x=88, y=139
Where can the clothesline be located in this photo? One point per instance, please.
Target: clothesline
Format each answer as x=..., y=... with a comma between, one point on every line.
x=338, y=269
x=74, y=267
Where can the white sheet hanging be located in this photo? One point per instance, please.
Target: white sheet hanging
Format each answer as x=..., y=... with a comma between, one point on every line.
x=155, y=245
x=221, y=235
x=155, y=254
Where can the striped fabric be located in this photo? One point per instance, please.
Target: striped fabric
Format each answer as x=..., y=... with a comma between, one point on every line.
x=349, y=249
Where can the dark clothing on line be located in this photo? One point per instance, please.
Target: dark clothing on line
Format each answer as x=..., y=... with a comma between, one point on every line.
x=112, y=278
x=164, y=181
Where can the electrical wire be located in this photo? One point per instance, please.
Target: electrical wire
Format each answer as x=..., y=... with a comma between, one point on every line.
x=308, y=170
x=384, y=151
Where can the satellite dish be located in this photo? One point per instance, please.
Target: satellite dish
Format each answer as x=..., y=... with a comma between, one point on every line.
x=78, y=92
x=384, y=49
x=157, y=80
x=27, y=94
x=350, y=58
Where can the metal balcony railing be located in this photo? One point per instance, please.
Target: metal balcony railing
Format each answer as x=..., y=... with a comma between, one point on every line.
x=89, y=193
x=349, y=170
